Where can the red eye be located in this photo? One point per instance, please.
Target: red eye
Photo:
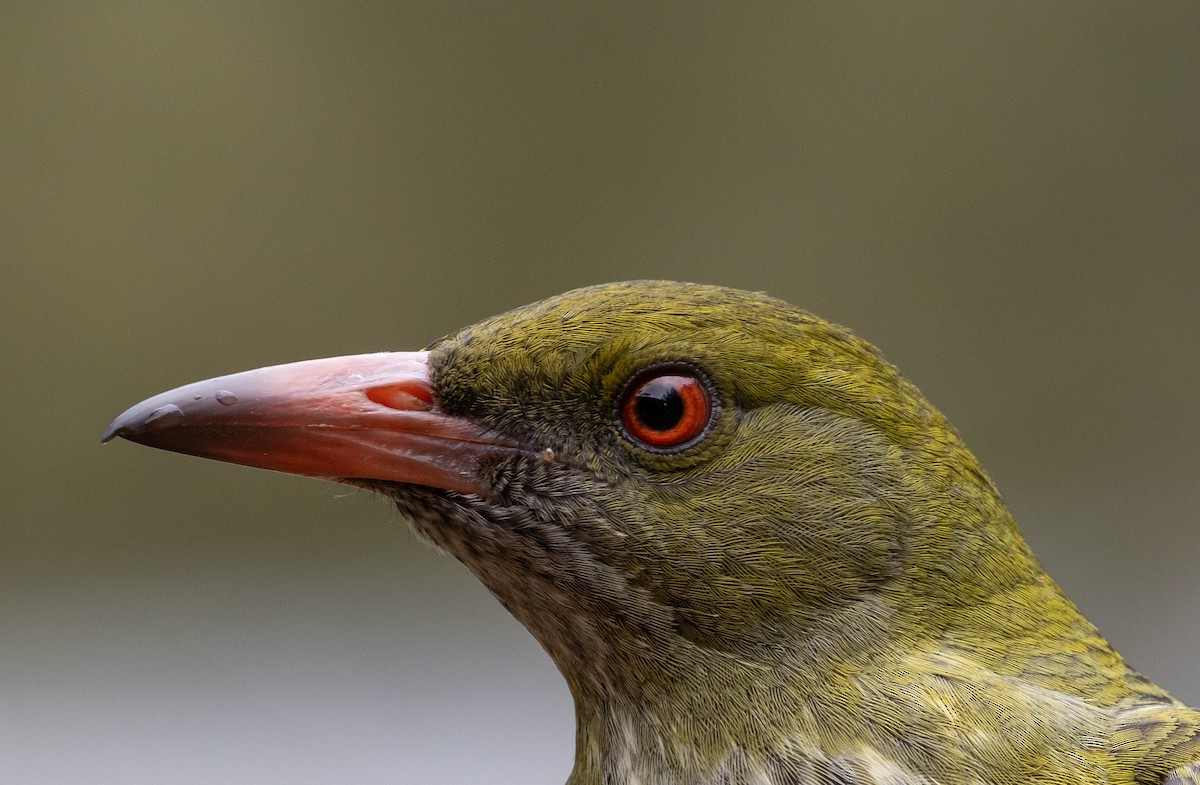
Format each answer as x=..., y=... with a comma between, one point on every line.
x=666, y=408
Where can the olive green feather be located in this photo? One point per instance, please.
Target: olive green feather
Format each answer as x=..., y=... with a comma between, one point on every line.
x=823, y=588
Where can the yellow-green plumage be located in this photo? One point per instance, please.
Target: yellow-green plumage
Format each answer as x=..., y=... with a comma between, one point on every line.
x=811, y=581
x=828, y=589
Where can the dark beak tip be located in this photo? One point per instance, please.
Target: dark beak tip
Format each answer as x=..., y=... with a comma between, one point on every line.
x=119, y=427
x=138, y=420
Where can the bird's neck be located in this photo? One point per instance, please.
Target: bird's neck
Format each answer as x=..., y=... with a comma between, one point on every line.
x=896, y=721
x=711, y=717
x=692, y=716
x=619, y=741
x=730, y=722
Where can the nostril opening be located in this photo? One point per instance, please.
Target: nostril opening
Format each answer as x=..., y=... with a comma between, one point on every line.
x=408, y=395
x=164, y=417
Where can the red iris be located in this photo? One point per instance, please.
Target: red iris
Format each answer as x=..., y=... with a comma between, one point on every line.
x=666, y=408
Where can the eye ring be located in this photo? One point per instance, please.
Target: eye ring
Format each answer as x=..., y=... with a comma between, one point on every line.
x=666, y=408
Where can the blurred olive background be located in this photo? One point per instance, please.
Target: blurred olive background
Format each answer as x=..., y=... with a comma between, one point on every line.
x=1005, y=197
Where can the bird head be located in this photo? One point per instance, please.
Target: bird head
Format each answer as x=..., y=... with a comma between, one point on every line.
x=684, y=492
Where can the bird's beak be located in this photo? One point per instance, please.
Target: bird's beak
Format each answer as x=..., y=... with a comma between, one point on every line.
x=366, y=416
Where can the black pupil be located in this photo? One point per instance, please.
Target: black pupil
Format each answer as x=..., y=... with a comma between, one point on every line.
x=659, y=406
